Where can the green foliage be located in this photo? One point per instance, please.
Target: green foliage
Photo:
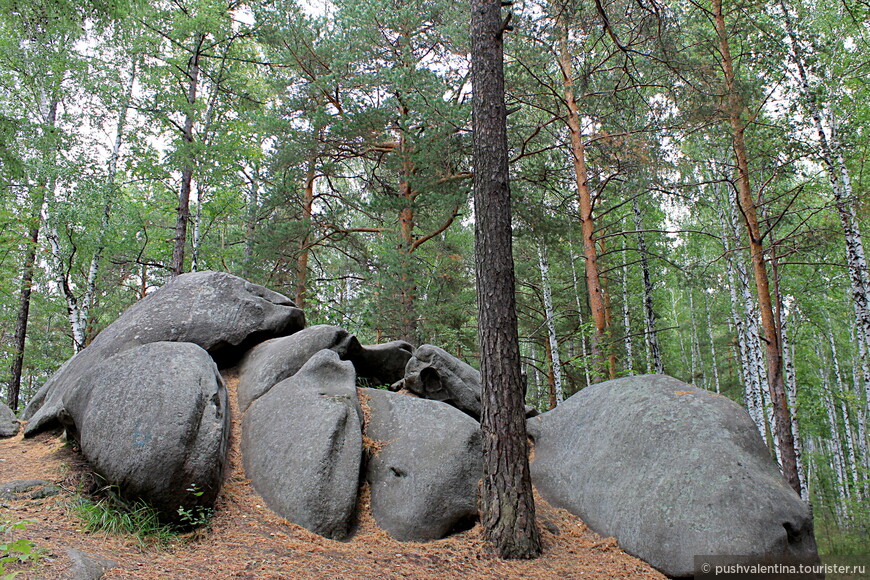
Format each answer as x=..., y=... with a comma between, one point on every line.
x=17, y=552
x=113, y=515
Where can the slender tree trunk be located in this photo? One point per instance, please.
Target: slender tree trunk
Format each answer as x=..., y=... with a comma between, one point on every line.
x=110, y=190
x=28, y=267
x=587, y=223
x=716, y=383
x=744, y=322
x=506, y=500
x=187, y=137
x=26, y=289
x=302, y=259
x=782, y=418
x=791, y=391
x=841, y=186
x=550, y=319
x=251, y=209
x=626, y=319
x=654, y=357
x=580, y=323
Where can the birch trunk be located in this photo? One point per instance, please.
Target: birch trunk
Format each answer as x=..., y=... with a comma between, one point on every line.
x=791, y=392
x=580, y=323
x=552, y=340
x=28, y=267
x=716, y=383
x=187, y=138
x=626, y=319
x=651, y=341
x=109, y=194
x=782, y=418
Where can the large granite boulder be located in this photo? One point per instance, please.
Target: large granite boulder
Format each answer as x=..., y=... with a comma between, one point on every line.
x=425, y=467
x=9, y=425
x=272, y=361
x=302, y=446
x=670, y=471
x=221, y=313
x=434, y=374
x=154, y=421
x=383, y=363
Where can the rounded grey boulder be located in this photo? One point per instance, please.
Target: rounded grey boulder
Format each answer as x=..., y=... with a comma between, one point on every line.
x=271, y=362
x=154, y=421
x=433, y=373
x=670, y=471
x=302, y=446
x=426, y=466
x=221, y=313
x=383, y=363
x=9, y=425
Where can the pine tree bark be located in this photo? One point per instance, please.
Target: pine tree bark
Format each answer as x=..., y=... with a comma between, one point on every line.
x=782, y=417
x=597, y=304
x=507, y=503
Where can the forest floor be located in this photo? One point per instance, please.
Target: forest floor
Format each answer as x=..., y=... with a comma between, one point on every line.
x=246, y=540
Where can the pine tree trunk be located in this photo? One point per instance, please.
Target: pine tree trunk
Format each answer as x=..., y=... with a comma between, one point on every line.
x=782, y=417
x=302, y=258
x=599, y=364
x=506, y=500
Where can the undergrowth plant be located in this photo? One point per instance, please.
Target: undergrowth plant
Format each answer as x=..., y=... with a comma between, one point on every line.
x=111, y=514
x=16, y=551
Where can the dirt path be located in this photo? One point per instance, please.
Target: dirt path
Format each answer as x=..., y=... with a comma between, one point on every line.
x=246, y=540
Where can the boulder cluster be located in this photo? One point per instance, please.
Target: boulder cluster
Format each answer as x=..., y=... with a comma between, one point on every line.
x=670, y=471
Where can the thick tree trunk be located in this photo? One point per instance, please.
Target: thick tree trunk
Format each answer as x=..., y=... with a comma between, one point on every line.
x=599, y=365
x=507, y=504
x=782, y=417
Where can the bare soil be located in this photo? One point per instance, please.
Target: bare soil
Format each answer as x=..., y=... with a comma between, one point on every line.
x=246, y=540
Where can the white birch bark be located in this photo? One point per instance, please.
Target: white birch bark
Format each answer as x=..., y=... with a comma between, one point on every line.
x=626, y=319
x=651, y=341
x=544, y=263
x=791, y=394
x=744, y=321
x=697, y=366
x=716, y=383
x=579, y=313
x=841, y=186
